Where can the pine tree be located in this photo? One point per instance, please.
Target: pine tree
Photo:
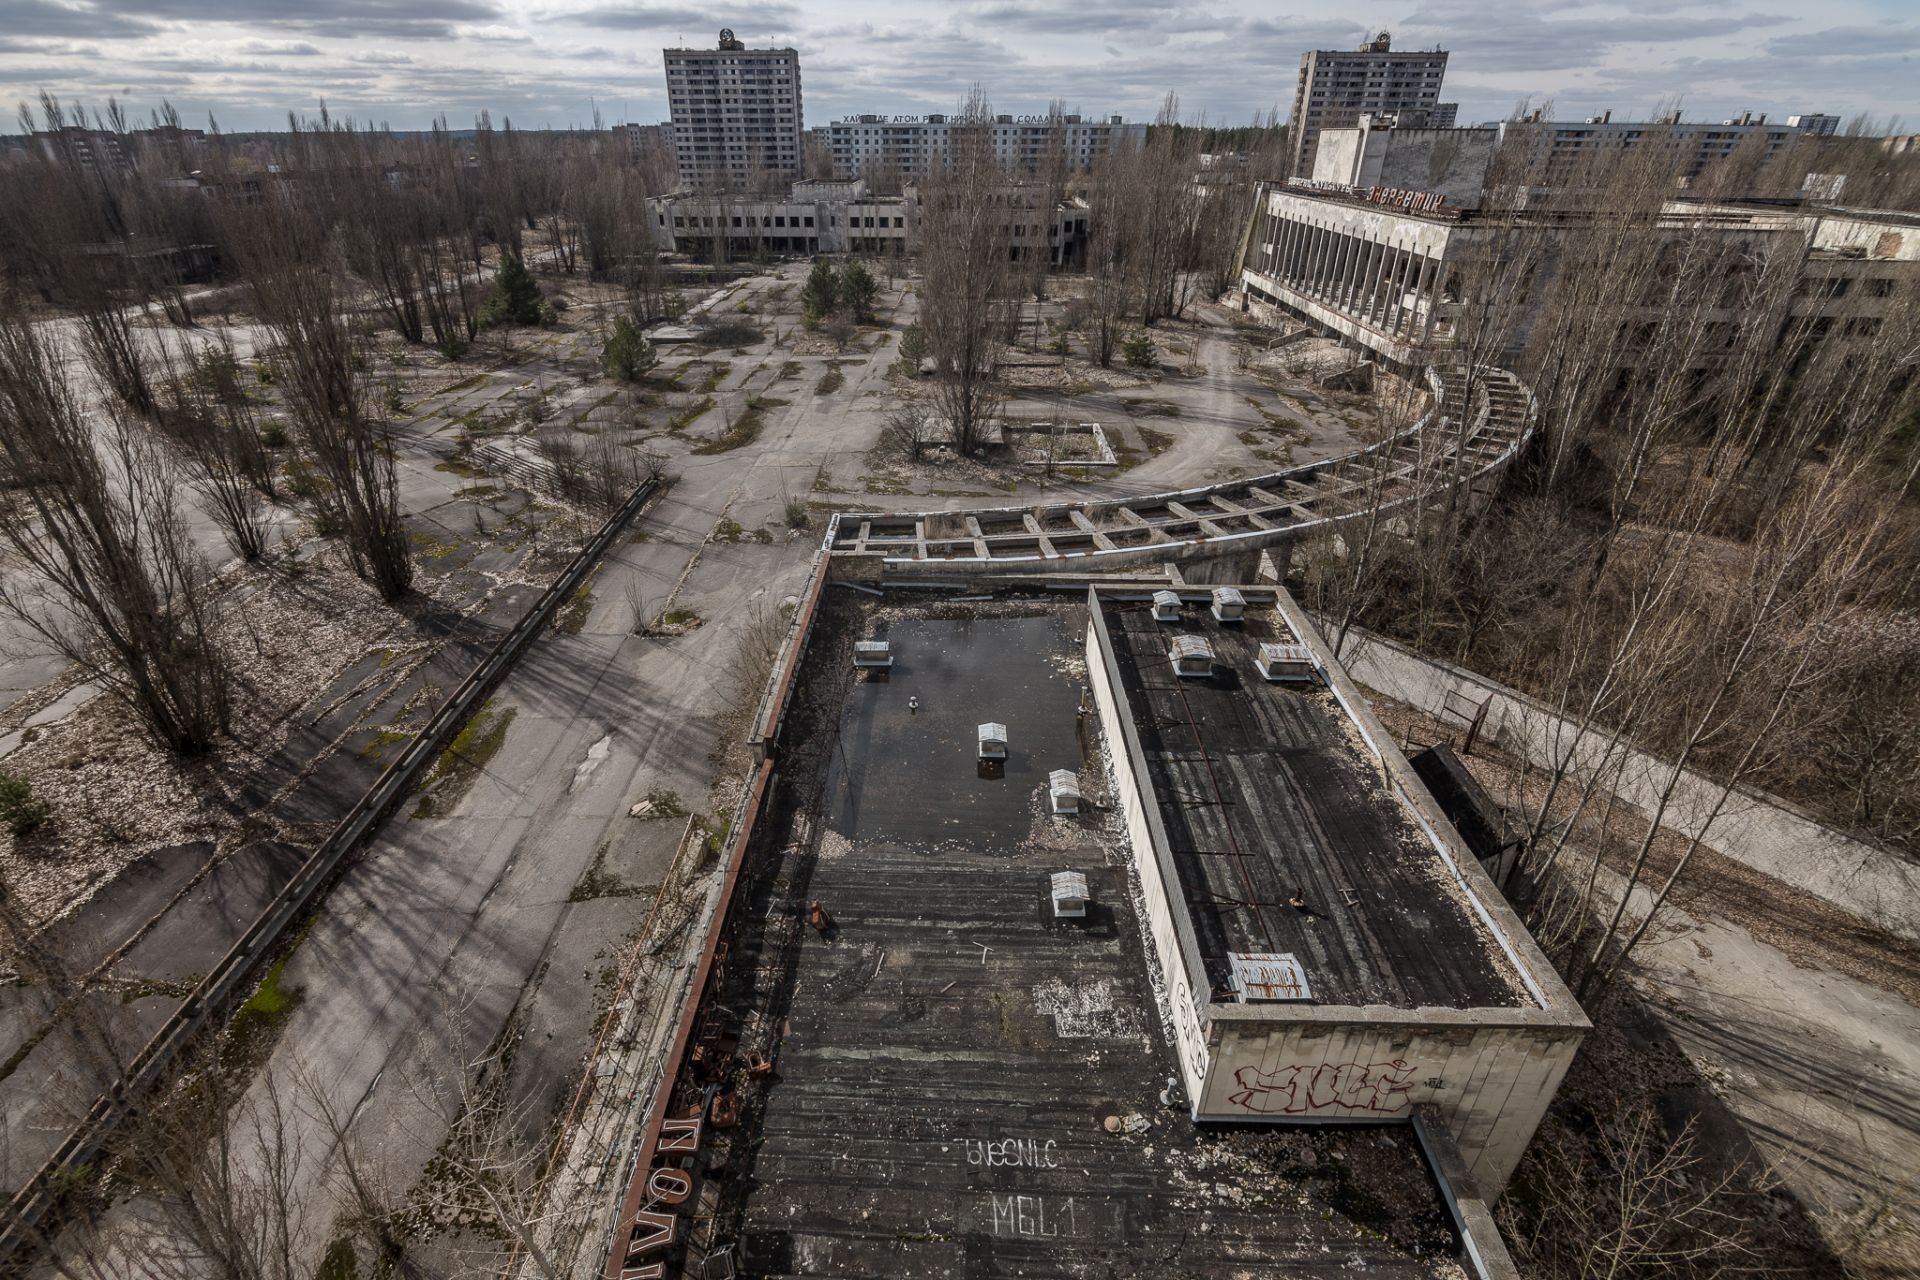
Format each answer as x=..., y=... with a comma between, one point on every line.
x=515, y=298
x=820, y=295
x=857, y=290
x=627, y=354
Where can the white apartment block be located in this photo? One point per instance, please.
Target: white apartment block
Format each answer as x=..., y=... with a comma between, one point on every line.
x=1399, y=281
x=1336, y=87
x=1560, y=148
x=736, y=114
x=842, y=216
x=918, y=145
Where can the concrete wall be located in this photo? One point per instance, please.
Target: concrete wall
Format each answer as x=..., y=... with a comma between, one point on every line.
x=1452, y=162
x=1340, y=157
x=1489, y=1075
x=1166, y=916
x=1760, y=831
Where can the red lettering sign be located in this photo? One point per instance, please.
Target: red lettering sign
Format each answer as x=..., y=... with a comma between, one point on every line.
x=669, y=1186
x=650, y=1233
x=679, y=1135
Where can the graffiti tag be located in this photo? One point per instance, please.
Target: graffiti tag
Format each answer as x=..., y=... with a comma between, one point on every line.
x=1347, y=1086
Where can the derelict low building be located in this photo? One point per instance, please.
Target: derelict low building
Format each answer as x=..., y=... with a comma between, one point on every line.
x=1331, y=951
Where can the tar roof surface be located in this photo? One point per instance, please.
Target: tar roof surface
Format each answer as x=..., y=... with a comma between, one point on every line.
x=1266, y=792
x=945, y=1058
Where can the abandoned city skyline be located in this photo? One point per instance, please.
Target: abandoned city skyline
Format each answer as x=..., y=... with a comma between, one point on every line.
x=552, y=65
x=894, y=663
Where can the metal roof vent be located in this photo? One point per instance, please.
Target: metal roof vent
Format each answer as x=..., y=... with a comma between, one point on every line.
x=1287, y=662
x=1063, y=791
x=1268, y=976
x=1069, y=895
x=1166, y=606
x=1192, y=656
x=1228, y=604
x=872, y=653
x=993, y=741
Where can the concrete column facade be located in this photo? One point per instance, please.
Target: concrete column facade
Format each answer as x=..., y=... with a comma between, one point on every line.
x=1349, y=251
x=1376, y=283
x=1391, y=289
x=1422, y=283
x=1290, y=259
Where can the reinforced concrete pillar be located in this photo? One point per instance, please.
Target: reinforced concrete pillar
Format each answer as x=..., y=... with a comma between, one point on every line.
x=1421, y=279
x=1376, y=283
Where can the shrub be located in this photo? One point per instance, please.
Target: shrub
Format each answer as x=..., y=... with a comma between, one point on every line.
x=19, y=808
x=913, y=348
x=857, y=290
x=727, y=333
x=1137, y=349
x=515, y=298
x=820, y=296
x=628, y=355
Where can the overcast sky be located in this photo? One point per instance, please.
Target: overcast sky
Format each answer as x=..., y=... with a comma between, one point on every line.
x=550, y=62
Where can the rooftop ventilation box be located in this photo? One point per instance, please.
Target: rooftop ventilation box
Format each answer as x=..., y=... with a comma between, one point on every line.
x=1070, y=897
x=1264, y=977
x=1063, y=791
x=1192, y=657
x=1228, y=604
x=1287, y=664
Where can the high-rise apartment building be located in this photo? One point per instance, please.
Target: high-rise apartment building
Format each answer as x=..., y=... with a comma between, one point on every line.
x=1336, y=87
x=919, y=145
x=736, y=114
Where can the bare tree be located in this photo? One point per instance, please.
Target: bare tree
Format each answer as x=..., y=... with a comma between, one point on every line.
x=964, y=265
x=98, y=527
x=297, y=283
x=202, y=409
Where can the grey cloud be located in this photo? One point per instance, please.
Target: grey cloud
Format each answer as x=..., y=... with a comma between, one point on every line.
x=93, y=21
x=1517, y=41
x=284, y=49
x=494, y=34
x=741, y=17
x=336, y=19
x=1067, y=20
x=1848, y=42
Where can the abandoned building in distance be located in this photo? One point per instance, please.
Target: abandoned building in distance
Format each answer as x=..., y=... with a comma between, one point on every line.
x=1402, y=272
x=1095, y=924
x=842, y=216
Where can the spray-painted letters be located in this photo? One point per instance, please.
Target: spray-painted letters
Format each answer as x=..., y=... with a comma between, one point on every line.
x=1379, y=1087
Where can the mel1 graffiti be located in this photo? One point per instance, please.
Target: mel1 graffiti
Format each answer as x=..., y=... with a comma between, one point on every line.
x=1379, y=1087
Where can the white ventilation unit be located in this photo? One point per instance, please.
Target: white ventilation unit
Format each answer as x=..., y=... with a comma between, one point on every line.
x=1228, y=604
x=1192, y=656
x=1287, y=663
x=993, y=741
x=1267, y=976
x=1166, y=606
x=872, y=653
x=1069, y=895
x=1063, y=791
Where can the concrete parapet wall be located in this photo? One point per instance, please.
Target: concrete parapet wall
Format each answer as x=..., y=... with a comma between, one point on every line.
x=1758, y=830
x=1167, y=923
x=1487, y=1074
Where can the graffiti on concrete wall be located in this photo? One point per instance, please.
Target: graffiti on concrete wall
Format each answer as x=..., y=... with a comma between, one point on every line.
x=1378, y=1087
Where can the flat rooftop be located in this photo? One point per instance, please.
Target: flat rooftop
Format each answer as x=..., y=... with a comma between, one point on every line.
x=1269, y=792
x=947, y=1059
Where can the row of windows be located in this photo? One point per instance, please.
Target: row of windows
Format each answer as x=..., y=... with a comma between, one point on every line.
x=785, y=222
